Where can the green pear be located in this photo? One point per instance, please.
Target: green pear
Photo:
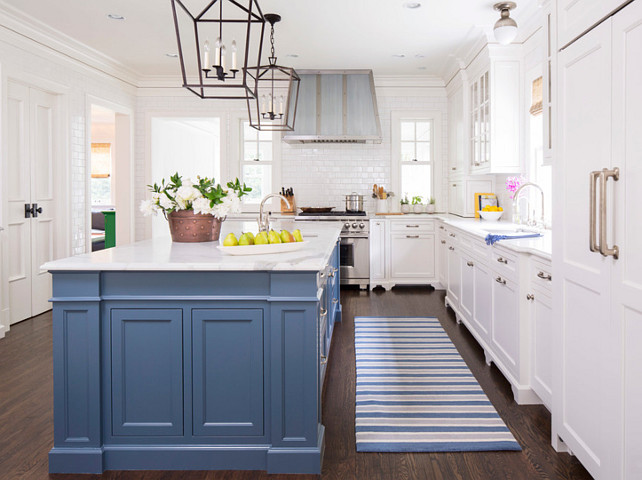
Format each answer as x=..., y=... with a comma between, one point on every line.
x=261, y=239
x=297, y=235
x=230, y=240
x=245, y=239
x=286, y=237
x=251, y=235
x=273, y=237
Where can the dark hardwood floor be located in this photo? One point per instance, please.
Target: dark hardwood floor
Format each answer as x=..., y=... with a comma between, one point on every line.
x=26, y=423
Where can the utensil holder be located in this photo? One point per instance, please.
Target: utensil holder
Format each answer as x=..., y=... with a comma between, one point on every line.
x=382, y=206
x=284, y=207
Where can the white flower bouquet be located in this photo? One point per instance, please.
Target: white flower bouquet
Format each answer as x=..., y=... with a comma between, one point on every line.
x=204, y=197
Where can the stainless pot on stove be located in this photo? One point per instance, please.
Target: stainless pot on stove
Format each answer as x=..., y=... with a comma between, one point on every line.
x=354, y=202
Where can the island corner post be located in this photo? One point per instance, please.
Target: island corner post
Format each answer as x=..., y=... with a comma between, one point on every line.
x=191, y=370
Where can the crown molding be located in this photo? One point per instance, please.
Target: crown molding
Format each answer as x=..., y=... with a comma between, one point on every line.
x=46, y=37
x=408, y=81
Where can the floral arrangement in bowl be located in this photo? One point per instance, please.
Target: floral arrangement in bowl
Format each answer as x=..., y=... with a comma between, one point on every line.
x=190, y=207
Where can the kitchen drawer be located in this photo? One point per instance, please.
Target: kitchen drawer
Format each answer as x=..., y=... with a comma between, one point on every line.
x=465, y=241
x=412, y=226
x=504, y=263
x=541, y=275
x=481, y=250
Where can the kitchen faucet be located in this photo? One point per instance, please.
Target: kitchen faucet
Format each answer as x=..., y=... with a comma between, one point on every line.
x=264, y=219
x=516, y=215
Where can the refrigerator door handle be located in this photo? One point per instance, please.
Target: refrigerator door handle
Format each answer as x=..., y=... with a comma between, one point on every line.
x=604, y=177
x=592, y=213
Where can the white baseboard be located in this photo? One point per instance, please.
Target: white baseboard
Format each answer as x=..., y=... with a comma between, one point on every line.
x=4, y=322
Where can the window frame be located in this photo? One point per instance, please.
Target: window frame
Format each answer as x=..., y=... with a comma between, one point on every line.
x=235, y=166
x=436, y=163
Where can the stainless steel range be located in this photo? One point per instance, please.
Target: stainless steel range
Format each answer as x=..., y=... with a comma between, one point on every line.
x=355, y=244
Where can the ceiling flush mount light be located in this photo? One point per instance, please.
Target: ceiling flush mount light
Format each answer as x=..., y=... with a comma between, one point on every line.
x=217, y=68
x=505, y=28
x=412, y=5
x=115, y=16
x=273, y=107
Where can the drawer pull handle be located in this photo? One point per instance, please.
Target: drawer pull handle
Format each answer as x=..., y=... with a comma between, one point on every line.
x=470, y=264
x=454, y=168
x=331, y=273
x=451, y=248
x=441, y=227
x=530, y=297
x=335, y=300
x=412, y=226
x=452, y=235
x=544, y=276
x=502, y=260
x=324, y=359
x=500, y=280
x=412, y=236
x=443, y=242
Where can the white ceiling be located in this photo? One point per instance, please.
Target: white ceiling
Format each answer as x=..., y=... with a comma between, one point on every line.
x=324, y=34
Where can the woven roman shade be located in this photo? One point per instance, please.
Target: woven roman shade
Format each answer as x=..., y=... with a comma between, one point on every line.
x=537, y=97
x=100, y=160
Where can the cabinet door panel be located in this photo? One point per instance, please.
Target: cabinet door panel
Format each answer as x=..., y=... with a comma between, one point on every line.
x=147, y=371
x=377, y=250
x=467, y=286
x=412, y=256
x=542, y=352
x=227, y=374
x=505, y=329
x=454, y=275
x=483, y=300
x=577, y=16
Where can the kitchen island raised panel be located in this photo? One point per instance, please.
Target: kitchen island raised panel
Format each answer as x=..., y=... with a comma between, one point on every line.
x=176, y=357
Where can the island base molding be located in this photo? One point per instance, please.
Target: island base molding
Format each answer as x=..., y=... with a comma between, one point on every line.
x=193, y=457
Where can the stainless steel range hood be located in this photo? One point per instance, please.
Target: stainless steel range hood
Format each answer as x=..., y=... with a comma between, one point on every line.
x=336, y=106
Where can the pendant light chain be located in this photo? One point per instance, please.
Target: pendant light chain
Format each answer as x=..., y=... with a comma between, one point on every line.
x=272, y=40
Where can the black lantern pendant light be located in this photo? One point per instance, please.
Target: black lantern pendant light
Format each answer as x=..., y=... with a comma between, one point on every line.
x=236, y=28
x=273, y=107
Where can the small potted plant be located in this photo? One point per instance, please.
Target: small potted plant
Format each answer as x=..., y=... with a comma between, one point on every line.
x=405, y=207
x=430, y=208
x=417, y=206
x=194, y=210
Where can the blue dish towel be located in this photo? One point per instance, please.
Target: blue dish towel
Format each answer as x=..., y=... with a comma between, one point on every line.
x=490, y=239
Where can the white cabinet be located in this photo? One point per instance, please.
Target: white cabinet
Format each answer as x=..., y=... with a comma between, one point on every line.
x=541, y=312
x=495, y=122
x=412, y=256
x=454, y=275
x=462, y=194
x=377, y=250
x=482, y=309
x=456, y=133
x=597, y=300
x=441, y=258
x=577, y=16
x=467, y=300
x=506, y=323
x=402, y=252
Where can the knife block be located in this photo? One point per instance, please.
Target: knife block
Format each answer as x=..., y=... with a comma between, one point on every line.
x=284, y=207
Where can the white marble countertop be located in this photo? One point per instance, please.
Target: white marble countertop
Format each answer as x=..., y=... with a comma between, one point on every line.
x=539, y=246
x=161, y=254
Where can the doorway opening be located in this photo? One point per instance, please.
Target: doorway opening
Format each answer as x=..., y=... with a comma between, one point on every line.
x=110, y=176
x=189, y=146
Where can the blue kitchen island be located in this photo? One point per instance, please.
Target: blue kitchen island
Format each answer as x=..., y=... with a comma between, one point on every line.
x=173, y=356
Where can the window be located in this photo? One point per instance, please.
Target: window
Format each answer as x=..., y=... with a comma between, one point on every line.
x=415, y=151
x=538, y=171
x=256, y=162
x=101, y=174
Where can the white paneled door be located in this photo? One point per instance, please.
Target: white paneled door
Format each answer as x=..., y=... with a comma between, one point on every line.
x=31, y=123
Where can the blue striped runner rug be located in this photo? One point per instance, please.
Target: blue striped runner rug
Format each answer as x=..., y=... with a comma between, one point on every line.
x=416, y=394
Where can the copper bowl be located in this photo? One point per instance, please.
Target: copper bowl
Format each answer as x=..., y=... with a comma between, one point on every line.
x=188, y=227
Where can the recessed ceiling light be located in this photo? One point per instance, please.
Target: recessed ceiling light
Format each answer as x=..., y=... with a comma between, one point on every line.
x=115, y=16
x=419, y=55
x=421, y=68
x=412, y=5
x=293, y=55
x=399, y=55
x=172, y=55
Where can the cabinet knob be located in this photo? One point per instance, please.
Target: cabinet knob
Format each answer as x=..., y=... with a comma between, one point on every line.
x=500, y=280
x=451, y=248
x=335, y=300
x=452, y=235
x=454, y=168
x=470, y=264
x=324, y=359
x=441, y=227
x=443, y=242
x=530, y=297
x=502, y=260
x=544, y=276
